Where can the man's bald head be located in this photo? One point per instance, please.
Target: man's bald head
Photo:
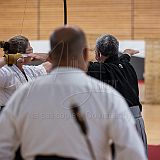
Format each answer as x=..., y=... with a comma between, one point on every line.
x=67, y=42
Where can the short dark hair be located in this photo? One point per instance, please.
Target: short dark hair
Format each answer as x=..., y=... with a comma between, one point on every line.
x=18, y=44
x=107, y=45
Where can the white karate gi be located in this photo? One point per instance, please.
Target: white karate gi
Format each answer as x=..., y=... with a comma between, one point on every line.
x=11, y=78
x=38, y=117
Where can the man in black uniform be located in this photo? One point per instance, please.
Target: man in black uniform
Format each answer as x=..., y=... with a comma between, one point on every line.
x=119, y=73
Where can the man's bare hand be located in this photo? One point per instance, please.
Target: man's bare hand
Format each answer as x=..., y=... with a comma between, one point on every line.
x=130, y=52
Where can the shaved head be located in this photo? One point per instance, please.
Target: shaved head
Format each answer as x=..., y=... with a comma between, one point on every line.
x=67, y=43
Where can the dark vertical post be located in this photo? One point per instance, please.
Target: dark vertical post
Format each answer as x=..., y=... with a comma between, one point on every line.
x=38, y=19
x=132, y=19
x=65, y=12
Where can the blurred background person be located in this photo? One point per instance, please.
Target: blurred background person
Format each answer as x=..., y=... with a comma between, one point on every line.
x=120, y=74
x=14, y=70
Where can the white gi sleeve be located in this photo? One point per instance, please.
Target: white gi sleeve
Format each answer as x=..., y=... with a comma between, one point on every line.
x=38, y=70
x=4, y=77
x=9, y=135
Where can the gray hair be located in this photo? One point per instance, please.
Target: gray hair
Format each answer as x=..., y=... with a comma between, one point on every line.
x=107, y=45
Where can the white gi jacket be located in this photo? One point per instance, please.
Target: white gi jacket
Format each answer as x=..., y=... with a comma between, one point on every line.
x=11, y=78
x=38, y=117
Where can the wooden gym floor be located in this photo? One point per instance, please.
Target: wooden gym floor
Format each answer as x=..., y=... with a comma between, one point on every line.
x=151, y=115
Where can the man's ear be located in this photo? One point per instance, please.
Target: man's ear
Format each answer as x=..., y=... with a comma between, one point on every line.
x=85, y=54
x=98, y=56
x=50, y=57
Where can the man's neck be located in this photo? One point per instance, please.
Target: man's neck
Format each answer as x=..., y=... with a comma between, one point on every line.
x=104, y=58
x=69, y=65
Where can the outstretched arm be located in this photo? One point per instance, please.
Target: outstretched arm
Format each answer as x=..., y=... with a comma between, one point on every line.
x=44, y=58
x=127, y=53
x=130, y=52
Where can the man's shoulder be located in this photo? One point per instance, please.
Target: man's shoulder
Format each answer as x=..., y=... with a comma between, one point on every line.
x=94, y=65
x=6, y=67
x=100, y=65
x=100, y=85
x=105, y=91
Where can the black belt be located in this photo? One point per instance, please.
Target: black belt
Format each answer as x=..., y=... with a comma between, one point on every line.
x=53, y=158
x=135, y=111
